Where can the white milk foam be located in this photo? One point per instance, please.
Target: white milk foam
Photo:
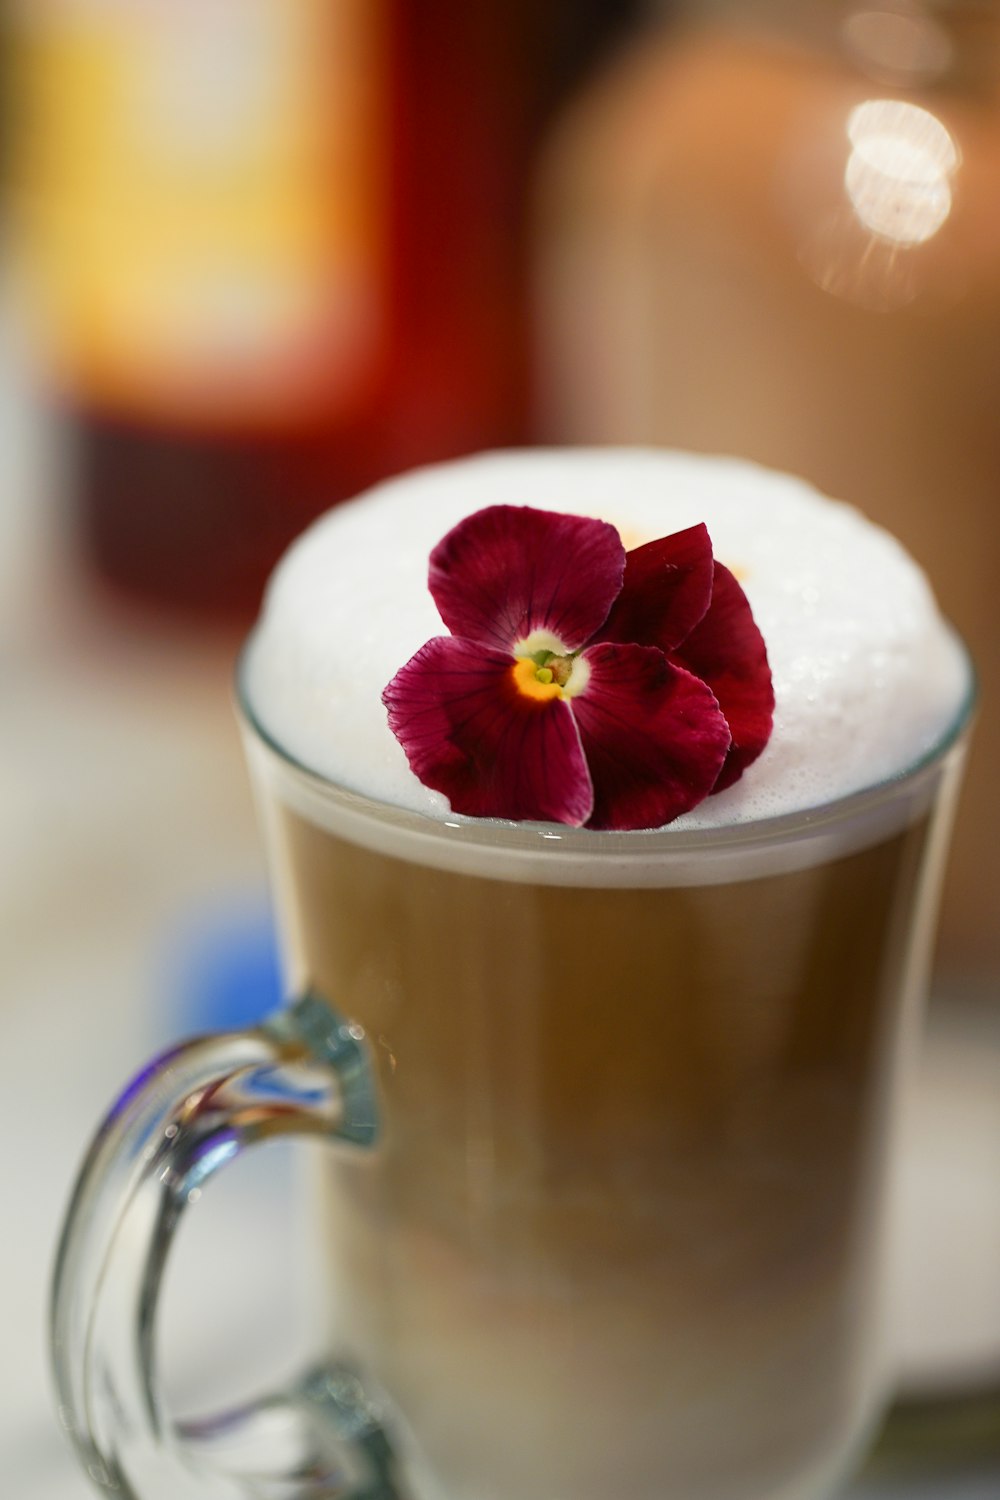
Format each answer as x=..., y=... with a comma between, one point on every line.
x=867, y=676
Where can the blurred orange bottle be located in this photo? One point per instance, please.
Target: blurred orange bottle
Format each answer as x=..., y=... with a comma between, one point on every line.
x=277, y=246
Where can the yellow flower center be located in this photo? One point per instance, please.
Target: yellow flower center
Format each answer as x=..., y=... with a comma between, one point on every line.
x=546, y=675
x=535, y=681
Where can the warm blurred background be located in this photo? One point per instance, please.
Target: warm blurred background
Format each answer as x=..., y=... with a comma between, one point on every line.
x=256, y=254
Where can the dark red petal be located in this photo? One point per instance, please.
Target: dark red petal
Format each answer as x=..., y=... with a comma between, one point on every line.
x=508, y=570
x=468, y=732
x=667, y=589
x=653, y=735
x=727, y=651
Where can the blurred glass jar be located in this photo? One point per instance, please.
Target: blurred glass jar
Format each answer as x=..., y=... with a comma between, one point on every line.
x=773, y=229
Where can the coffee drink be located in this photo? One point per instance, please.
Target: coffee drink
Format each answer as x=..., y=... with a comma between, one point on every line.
x=620, y=1233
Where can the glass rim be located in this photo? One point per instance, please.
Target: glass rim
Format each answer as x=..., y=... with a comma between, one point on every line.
x=597, y=844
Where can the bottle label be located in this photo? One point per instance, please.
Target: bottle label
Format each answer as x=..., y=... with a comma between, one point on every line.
x=202, y=188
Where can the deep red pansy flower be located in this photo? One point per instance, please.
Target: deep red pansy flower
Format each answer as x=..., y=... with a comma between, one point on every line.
x=581, y=684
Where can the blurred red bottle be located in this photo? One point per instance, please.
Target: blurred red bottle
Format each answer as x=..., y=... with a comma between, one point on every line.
x=279, y=246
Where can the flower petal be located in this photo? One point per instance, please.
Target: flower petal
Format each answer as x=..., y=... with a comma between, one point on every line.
x=509, y=570
x=493, y=751
x=667, y=589
x=654, y=737
x=727, y=651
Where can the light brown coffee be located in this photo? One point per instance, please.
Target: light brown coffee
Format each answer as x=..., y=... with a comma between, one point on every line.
x=617, y=1237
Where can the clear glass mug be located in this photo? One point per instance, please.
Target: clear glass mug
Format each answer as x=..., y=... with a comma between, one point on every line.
x=609, y=1120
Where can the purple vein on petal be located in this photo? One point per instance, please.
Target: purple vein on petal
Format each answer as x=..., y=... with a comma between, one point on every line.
x=666, y=591
x=654, y=737
x=508, y=570
x=468, y=732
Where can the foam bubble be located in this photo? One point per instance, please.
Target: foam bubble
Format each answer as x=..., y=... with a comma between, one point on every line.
x=867, y=676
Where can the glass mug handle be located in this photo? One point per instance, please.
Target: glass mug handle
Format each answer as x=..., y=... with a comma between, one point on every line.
x=305, y=1072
